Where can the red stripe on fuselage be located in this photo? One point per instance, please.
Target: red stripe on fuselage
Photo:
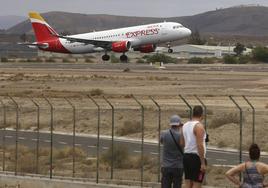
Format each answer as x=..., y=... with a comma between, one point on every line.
x=44, y=35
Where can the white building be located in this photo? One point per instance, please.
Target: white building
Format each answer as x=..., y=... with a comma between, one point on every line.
x=189, y=51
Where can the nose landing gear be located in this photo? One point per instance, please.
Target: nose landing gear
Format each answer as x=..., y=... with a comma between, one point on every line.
x=170, y=50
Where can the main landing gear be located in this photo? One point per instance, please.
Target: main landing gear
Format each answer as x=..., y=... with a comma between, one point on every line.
x=123, y=58
x=105, y=57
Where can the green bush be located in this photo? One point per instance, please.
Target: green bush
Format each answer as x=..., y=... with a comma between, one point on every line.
x=244, y=59
x=209, y=60
x=260, y=54
x=160, y=58
x=88, y=60
x=4, y=59
x=229, y=59
x=195, y=60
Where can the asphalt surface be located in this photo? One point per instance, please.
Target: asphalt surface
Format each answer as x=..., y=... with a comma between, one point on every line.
x=88, y=143
x=141, y=67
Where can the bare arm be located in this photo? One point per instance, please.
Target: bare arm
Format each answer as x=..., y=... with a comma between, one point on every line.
x=230, y=174
x=199, y=133
x=263, y=168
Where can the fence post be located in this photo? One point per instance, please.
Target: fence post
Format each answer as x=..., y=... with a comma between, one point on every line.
x=51, y=137
x=241, y=126
x=159, y=132
x=16, y=135
x=4, y=134
x=38, y=134
x=142, y=137
x=74, y=130
x=189, y=106
x=253, y=118
x=112, y=159
x=98, y=137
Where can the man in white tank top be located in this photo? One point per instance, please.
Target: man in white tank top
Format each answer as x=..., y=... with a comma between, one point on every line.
x=194, y=137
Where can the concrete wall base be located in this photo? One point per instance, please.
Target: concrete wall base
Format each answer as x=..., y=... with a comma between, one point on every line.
x=11, y=181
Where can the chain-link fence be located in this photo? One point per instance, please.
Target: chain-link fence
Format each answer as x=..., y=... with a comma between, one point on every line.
x=116, y=139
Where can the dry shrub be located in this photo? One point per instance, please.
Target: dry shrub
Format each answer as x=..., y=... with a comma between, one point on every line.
x=44, y=151
x=67, y=152
x=26, y=163
x=224, y=119
x=96, y=92
x=148, y=162
x=222, y=144
x=120, y=157
x=129, y=127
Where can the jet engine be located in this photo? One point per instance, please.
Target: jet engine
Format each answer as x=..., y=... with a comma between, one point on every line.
x=146, y=48
x=121, y=47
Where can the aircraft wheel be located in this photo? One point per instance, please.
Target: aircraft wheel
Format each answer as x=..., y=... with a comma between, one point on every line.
x=105, y=57
x=170, y=50
x=123, y=58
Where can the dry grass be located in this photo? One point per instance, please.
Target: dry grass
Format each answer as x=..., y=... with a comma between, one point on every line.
x=129, y=127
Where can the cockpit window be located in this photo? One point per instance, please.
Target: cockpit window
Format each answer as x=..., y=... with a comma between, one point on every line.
x=177, y=26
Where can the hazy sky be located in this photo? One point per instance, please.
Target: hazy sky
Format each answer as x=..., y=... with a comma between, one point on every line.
x=155, y=8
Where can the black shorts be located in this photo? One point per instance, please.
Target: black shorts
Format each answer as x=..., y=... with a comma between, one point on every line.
x=191, y=165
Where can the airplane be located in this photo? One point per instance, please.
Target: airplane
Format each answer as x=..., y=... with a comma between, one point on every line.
x=143, y=38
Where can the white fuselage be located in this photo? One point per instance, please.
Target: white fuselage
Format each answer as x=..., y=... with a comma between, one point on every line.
x=137, y=36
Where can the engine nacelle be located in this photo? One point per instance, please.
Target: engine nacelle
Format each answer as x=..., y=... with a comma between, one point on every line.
x=146, y=48
x=121, y=47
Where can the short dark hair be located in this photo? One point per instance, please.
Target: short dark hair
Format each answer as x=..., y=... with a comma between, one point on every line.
x=254, y=152
x=197, y=111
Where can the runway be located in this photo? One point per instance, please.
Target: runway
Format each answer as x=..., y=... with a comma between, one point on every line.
x=138, y=67
x=216, y=157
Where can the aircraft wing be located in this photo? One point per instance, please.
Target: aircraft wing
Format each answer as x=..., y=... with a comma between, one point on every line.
x=97, y=43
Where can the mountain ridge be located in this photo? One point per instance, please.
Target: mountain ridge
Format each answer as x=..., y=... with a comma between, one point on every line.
x=242, y=20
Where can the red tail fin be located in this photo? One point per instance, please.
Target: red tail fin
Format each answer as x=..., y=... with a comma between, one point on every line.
x=43, y=32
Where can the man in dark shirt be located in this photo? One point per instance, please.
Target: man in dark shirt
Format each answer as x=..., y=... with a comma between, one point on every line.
x=172, y=157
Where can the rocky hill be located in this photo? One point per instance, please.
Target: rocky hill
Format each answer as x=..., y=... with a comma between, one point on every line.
x=243, y=21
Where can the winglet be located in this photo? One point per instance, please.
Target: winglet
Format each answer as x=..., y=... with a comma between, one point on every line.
x=36, y=15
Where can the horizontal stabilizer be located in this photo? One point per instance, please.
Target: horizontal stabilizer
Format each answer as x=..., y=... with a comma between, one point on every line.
x=35, y=44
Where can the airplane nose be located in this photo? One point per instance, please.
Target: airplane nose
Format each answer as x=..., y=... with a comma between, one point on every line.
x=187, y=32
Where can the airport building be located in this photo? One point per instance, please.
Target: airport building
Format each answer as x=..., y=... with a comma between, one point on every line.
x=189, y=51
